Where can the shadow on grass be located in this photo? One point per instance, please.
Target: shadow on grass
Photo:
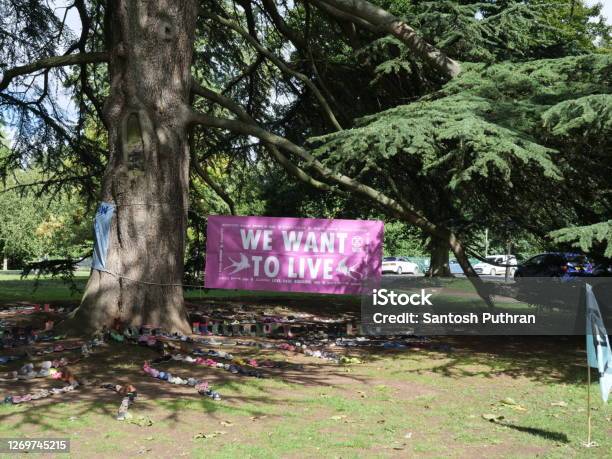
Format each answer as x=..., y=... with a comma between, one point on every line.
x=122, y=364
x=546, y=359
x=545, y=434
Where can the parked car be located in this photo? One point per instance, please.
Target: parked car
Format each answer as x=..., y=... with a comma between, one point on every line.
x=399, y=265
x=455, y=267
x=555, y=264
x=602, y=269
x=493, y=268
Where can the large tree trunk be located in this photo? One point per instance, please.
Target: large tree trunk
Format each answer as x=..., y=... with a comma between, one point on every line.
x=439, y=260
x=147, y=176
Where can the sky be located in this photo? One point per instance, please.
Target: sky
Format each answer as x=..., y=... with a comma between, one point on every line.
x=606, y=12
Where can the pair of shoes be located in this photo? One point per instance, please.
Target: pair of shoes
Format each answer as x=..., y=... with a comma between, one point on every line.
x=176, y=380
x=122, y=414
x=212, y=394
x=201, y=387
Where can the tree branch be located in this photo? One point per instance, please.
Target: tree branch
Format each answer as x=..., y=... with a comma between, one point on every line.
x=51, y=62
x=242, y=114
x=85, y=25
x=248, y=72
x=345, y=16
x=203, y=173
x=280, y=24
x=387, y=22
x=349, y=183
x=280, y=64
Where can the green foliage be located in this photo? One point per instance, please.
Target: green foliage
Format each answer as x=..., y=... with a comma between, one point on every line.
x=485, y=123
x=588, y=117
x=506, y=30
x=33, y=227
x=402, y=240
x=585, y=237
x=484, y=148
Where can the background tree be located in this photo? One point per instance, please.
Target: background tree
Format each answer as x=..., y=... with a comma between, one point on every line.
x=246, y=84
x=36, y=227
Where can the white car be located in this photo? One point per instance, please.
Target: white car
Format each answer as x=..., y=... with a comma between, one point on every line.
x=399, y=265
x=488, y=269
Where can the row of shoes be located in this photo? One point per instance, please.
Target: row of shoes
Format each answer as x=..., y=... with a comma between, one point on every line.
x=27, y=371
x=193, y=382
x=233, y=368
x=295, y=347
x=16, y=399
x=129, y=396
x=236, y=361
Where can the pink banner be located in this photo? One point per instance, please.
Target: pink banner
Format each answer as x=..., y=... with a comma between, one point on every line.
x=293, y=254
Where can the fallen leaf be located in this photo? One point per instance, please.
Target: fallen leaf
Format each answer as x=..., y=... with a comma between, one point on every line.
x=206, y=436
x=561, y=403
x=492, y=417
x=338, y=417
x=518, y=408
x=227, y=423
x=509, y=401
x=141, y=421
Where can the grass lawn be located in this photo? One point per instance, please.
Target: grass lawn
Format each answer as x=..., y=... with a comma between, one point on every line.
x=397, y=403
x=48, y=290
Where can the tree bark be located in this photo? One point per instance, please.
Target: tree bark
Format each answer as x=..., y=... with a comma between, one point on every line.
x=388, y=23
x=147, y=175
x=439, y=260
x=481, y=288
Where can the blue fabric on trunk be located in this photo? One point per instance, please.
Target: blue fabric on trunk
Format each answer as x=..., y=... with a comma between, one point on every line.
x=102, y=226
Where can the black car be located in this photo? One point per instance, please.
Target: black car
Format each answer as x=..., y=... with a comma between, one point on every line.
x=555, y=264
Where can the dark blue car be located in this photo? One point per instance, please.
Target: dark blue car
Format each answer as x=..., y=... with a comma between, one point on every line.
x=555, y=264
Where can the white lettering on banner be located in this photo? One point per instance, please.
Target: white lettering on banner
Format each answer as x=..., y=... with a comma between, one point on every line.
x=326, y=242
x=292, y=240
x=250, y=239
x=274, y=271
x=311, y=243
x=256, y=260
x=327, y=269
x=293, y=254
x=314, y=269
x=267, y=240
x=341, y=238
x=298, y=267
